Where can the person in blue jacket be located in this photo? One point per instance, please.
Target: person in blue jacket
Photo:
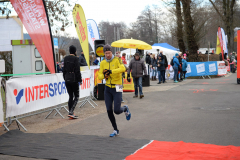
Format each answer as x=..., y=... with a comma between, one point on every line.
x=184, y=68
x=176, y=64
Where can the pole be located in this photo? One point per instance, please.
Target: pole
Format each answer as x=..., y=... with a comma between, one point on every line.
x=238, y=54
x=208, y=50
x=114, y=39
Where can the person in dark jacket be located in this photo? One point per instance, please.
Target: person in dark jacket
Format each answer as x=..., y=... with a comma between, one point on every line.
x=180, y=67
x=82, y=60
x=136, y=67
x=161, y=69
x=72, y=77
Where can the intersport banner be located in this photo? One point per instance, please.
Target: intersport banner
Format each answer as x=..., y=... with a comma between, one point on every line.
x=82, y=30
x=1, y=106
x=33, y=93
x=33, y=16
x=93, y=32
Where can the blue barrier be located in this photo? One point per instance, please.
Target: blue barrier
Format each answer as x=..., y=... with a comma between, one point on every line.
x=202, y=68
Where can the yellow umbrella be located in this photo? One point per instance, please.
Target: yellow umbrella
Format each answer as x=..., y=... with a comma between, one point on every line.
x=131, y=43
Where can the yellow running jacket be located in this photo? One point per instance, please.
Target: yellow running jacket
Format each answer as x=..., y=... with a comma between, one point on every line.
x=117, y=68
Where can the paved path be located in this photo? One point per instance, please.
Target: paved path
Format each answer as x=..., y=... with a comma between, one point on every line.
x=200, y=111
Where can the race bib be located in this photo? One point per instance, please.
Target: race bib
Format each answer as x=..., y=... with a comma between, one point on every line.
x=119, y=88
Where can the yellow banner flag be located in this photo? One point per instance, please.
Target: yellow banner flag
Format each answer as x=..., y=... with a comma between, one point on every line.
x=218, y=47
x=81, y=28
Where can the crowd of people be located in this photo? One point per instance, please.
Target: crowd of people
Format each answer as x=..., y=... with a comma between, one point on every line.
x=159, y=63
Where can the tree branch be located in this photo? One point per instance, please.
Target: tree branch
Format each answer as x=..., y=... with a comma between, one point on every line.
x=217, y=10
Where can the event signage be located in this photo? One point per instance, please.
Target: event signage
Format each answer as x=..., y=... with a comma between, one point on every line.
x=202, y=68
x=33, y=15
x=81, y=28
x=93, y=33
x=221, y=68
x=224, y=38
x=28, y=94
x=221, y=40
x=1, y=106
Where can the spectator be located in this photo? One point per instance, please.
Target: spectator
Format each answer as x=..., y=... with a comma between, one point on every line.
x=161, y=53
x=72, y=77
x=185, y=57
x=154, y=67
x=180, y=67
x=124, y=58
x=184, y=68
x=137, y=66
x=176, y=64
x=82, y=60
x=59, y=69
x=161, y=69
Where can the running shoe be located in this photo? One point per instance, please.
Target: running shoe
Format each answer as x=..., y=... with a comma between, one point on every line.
x=175, y=81
x=127, y=113
x=72, y=116
x=135, y=96
x=122, y=101
x=114, y=133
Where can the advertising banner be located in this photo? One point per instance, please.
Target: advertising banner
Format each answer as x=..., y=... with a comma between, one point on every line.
x=93, y=33
x=202, y=68
x=221, y=40
x=82, y=30
x=218, y=47
x=222, y=70
x=33, y=93
x=33, y=16
x=128, y=86
x=1, y=106
x=224, y=37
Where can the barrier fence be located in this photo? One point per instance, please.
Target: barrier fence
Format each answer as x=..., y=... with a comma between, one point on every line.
x=31, y=95
x=200, y=69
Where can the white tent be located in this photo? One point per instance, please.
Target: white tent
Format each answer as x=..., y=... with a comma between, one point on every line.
x=168, y=52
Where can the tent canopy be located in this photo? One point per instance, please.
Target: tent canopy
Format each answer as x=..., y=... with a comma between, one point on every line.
x=165, y=45
x=169, y=53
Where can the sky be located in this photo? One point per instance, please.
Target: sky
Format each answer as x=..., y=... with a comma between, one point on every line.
x=113, y=11
x=110, y=10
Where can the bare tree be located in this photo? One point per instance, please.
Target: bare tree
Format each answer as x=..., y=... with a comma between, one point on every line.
x=180, y=26
x=227, y=16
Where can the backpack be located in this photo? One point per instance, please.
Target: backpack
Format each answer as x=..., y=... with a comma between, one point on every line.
x=70, y=75
x=172, y=62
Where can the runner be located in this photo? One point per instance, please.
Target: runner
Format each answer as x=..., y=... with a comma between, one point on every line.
x=72, y=77
x=111, y=69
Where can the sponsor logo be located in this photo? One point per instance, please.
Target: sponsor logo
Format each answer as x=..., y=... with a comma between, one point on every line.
x=34, y=93
x=81, y=28
x=91, y=32
x=18, y=95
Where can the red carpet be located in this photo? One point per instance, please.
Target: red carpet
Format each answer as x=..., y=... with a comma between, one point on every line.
x=158, y=150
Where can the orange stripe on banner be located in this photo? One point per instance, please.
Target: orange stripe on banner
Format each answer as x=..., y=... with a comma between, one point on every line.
x=1, y=124
x=185, y=151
